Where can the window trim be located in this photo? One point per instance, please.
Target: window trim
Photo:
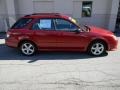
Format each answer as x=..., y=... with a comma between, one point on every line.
x=24, y=26
x=90, y=12
x=54, y=24
x=65, y=20
x=43, y=29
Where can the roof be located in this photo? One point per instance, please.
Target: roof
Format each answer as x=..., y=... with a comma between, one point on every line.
x=50, y=15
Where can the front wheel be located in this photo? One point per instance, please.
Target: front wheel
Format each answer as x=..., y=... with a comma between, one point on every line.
x=27, y=48
x=97, y=49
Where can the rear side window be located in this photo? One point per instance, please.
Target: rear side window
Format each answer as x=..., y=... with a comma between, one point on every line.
x=43, y=24
x=20, y=24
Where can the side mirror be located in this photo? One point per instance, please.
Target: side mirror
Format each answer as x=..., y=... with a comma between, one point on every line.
x=77, y=31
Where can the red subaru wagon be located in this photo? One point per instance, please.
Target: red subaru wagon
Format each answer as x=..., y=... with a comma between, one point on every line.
x=57, y=32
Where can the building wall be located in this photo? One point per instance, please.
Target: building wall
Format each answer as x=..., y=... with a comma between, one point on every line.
x=101, y=10
x=100, y=13
x=25, y=7
x=3, y=16
x=113, y=14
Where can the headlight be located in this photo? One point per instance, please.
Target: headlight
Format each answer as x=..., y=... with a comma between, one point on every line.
x=114, y=37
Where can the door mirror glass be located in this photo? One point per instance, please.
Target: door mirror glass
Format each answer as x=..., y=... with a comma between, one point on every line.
x=77, y=31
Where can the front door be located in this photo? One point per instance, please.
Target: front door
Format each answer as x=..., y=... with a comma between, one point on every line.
x=69, y=39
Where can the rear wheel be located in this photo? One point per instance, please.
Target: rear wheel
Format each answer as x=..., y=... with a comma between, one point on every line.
x=97, y=48
x=27, y=48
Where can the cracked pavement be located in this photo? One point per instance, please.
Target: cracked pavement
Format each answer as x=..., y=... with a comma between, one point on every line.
x=58, y=71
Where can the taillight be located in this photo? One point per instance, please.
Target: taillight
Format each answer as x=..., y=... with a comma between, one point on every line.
x=8, y=34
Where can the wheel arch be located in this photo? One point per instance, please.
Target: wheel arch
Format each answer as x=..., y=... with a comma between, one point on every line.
x=26, y=40
x=99, y=40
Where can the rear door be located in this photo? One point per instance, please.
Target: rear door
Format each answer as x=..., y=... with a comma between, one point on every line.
x=45, y=34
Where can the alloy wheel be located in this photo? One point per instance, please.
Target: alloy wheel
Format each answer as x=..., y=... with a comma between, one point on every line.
x=97, y=49
x=27, y=48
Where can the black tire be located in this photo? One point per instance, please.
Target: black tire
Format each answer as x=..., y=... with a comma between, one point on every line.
x=28, y=48
x=97, y=48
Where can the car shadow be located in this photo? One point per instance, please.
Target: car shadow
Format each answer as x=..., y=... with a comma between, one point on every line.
x=7, y=53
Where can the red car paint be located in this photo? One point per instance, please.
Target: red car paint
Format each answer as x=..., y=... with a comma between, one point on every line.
x=54, y=40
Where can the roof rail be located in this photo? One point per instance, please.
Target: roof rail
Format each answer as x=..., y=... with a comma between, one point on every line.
x=56, y=14
x=46, y=13
x=53, y=14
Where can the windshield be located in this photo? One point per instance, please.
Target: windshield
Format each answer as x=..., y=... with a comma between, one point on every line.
x=73, y=20
x=83, y=28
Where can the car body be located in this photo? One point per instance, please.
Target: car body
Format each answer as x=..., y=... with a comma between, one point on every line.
x=57, y=32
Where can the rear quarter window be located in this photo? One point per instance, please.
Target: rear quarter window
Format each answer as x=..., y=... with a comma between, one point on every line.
x=20, y=24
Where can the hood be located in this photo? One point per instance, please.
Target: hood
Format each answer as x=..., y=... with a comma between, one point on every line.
x=98, y=30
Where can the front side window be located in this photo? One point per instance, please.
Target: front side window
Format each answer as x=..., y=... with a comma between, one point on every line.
x=43, y=24
x=86, y=8
x=20, y=24
x=65, y=25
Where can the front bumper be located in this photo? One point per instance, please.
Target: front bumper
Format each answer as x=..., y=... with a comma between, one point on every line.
x=113, y=46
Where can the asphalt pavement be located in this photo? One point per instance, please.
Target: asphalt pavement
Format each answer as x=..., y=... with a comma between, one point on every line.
x=58, y=70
